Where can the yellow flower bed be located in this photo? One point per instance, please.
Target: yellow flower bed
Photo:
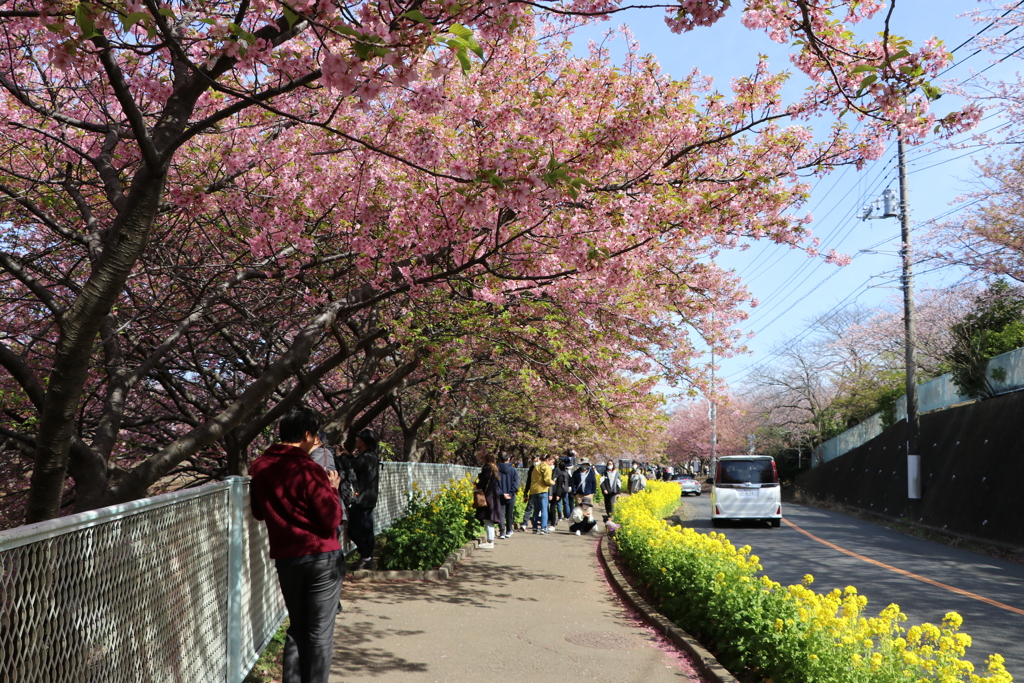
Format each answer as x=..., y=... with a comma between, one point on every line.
x=783, y=634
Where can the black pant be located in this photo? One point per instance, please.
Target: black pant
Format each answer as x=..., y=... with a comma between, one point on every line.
x=360, y=530
x=311, y=592
x=609, y=502
x=507, y=515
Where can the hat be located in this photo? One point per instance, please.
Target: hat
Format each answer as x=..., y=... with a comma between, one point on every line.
x=583, y=461
x=369, y=438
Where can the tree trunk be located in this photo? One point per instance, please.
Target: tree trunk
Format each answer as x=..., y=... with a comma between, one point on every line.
x=76, y=342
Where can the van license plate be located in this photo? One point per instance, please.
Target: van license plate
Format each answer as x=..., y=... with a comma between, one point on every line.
x=749, y=494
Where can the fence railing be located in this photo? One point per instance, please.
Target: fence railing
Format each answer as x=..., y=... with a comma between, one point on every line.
x=178, y=587
x=1005, y=372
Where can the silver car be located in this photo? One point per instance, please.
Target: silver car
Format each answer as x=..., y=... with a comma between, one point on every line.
x=688, y=485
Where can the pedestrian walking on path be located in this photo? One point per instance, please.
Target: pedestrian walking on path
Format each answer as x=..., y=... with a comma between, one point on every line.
x=520, y=612
x=487, y=482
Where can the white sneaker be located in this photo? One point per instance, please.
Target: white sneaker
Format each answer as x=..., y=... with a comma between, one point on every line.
x=509, y=534
x=577, y=532
x=486, y=545
x=551, y=528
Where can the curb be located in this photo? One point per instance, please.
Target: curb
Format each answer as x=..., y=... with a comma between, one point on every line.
x=706, y=662
x=439, y=574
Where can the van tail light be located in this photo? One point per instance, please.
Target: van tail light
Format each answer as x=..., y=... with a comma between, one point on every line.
x=779, y=511
x=718, y=511
x=775, y=473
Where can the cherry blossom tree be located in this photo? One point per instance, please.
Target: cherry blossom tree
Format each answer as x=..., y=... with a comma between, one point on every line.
x=853, y=366
x=214, y=208
x=688, y=432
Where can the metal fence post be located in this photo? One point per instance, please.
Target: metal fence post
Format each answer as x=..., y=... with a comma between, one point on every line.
x=234, y=613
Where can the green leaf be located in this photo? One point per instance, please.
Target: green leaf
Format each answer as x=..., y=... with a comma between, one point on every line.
x=417, y=15
x=931, y=92
x=290, y=16
x=166, y=11
x=899, y=55
x=363, y=50
x=467, y=35
x=865, y=83
x=864, y=67
x=461, y=31
x=464, y=61
x=129, y=20
x=239, y=32
x=83, y=18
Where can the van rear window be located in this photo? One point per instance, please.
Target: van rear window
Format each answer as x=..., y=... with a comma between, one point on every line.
x=746, y=471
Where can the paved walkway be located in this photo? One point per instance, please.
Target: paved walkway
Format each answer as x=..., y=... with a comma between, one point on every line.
x=536, y=608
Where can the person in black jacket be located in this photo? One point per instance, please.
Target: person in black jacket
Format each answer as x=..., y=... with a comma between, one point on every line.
x=508, y=487
x=366, y=467
x=560, y=493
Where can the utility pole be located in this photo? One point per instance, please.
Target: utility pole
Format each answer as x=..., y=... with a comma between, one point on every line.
x=909, y=332
x=713, y=417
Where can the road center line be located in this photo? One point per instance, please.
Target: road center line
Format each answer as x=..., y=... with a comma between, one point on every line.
x=918, y=577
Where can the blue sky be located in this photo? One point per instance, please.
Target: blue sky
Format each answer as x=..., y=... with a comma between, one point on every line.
x=793, y=289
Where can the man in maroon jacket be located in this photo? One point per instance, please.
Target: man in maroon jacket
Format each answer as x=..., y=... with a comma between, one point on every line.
x=298, y=500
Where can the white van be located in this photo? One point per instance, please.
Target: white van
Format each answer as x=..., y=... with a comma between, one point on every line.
x=746, y=487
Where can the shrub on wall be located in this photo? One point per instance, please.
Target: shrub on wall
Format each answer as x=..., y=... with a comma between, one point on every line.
x=785, y=634
x=434, y=526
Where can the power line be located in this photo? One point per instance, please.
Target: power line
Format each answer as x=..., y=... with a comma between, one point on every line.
x=858, y=291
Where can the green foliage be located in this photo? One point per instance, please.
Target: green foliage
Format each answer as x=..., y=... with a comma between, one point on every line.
x=519, y=509
x=433, y=527
x=267, y=668
x=995, y=327
x=878, y=395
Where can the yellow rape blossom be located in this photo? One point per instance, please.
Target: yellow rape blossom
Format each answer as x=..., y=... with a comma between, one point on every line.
x=832, y=632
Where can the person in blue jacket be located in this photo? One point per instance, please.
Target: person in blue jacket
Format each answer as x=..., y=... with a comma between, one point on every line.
x=508, y=488
x=584, y=483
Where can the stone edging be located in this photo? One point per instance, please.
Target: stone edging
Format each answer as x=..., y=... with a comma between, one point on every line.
x=708, y=665
x=439, y=574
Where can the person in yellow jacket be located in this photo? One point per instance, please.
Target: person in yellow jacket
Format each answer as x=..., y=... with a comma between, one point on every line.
x=540, y=484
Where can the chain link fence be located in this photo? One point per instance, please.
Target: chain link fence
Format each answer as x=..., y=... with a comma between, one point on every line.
x=179, y=587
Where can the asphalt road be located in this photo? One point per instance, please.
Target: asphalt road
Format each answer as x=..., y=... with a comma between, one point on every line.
x=787, y=554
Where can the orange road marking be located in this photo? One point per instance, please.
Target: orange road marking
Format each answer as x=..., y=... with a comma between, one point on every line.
x=925, y=579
